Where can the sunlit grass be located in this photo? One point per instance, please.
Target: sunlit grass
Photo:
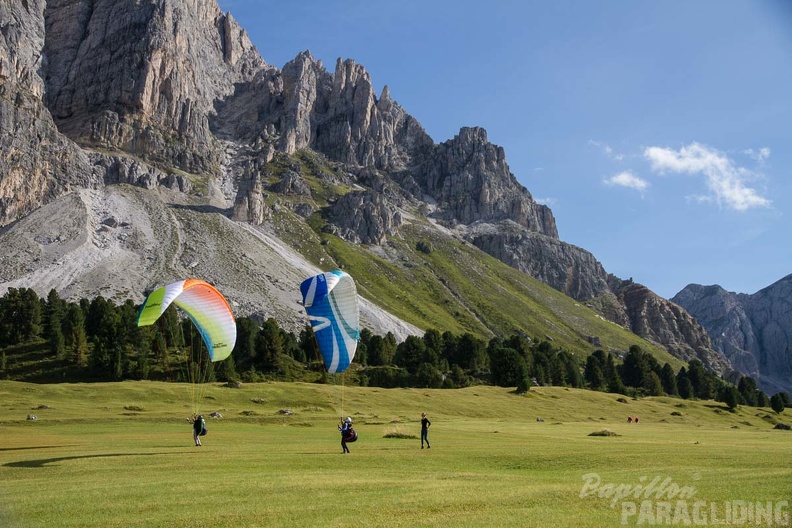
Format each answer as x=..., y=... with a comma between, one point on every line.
x=90, y=462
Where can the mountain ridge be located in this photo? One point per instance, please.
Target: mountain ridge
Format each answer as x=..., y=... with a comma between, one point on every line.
x=189, y=110
x=751, y=330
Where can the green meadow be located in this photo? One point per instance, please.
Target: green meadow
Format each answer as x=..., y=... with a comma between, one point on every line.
x=122, y=455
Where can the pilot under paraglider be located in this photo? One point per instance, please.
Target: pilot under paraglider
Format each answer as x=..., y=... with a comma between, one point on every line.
x=348, y=435
x=331, y=302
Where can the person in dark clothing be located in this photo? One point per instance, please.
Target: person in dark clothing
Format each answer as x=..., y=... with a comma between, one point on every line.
x=425, y=423
x=346, y=433
x=199, y=425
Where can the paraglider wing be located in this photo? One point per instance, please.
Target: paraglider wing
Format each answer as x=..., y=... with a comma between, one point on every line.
x=207, y=308
x=332, y=305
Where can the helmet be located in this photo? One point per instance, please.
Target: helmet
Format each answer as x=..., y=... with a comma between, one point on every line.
x=348, y=420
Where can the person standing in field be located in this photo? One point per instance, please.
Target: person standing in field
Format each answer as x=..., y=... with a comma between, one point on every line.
x=199, y=425
x=425, y=423
x=347, y=434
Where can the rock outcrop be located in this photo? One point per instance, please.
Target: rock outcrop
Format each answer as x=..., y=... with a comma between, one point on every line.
x=359, y=129
x=753, y=331
x=365, y=217
x=565, y=267
x=662, y=321
x=470, y=181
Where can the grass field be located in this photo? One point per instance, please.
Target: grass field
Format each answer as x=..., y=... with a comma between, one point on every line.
x=121, y=455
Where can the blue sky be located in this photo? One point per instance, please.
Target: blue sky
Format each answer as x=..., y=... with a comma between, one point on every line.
x=659, y=132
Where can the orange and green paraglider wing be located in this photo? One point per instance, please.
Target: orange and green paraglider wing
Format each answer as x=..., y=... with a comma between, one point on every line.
x=206, y=307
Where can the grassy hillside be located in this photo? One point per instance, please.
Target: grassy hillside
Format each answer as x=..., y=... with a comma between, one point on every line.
x=457, y=287
x=453, y=287
x=317, y=403
x=113, y=455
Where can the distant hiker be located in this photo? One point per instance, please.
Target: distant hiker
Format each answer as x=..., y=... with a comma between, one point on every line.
x=629, y=419
x=636, y=419
x=199, y=428
x=347, y=434
x=425, y=423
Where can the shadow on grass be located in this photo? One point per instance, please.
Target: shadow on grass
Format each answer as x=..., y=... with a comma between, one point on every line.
x=33, y=447
x=47, y=461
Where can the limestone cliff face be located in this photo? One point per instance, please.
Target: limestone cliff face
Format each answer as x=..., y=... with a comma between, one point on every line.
x=37, y=163
x=135, y=80
x=306, y=87
x=753, y=331
x=471, y=182
x=142, y=77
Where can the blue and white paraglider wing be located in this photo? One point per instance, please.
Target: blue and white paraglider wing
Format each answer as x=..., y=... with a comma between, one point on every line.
x=332, y=304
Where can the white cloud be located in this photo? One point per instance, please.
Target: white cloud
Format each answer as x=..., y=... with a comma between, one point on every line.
x=629, y=180
x=545, y=201
x=726, y=182
x=758, y=155
x=606, y=149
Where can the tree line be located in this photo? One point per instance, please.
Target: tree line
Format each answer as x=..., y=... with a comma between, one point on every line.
x=97, y=340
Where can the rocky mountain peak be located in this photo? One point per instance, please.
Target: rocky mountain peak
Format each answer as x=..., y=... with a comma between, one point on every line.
x=474, y=137
x=385, y=96
x=753, y=331
x=469, y=178
x=665, y=322
x=349, y=78
x=306, y=84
